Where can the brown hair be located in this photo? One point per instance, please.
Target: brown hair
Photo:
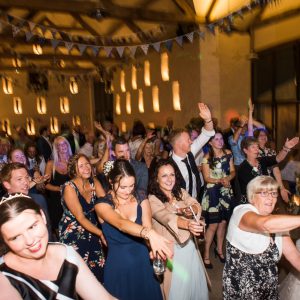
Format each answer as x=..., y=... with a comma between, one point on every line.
x=6, y=172
x=173, y=136
x=73, y=164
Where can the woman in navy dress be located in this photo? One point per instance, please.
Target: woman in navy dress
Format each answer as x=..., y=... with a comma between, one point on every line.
x=126, y=223
x=79, y=226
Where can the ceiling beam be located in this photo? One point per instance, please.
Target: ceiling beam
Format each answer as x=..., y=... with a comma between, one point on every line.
x=51, y=68
x=185, y=7
x=212, y=5
x=84, y=24
x=110, y=10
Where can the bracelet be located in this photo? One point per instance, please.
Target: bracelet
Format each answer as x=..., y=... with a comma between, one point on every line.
x=208, y=121
x=286, y=149
x=146, y=235
x=141, y=232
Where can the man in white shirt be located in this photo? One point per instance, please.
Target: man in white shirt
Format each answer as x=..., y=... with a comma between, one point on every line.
x=184, y=151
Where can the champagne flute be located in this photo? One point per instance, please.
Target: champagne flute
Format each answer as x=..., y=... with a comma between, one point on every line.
x=201, y=237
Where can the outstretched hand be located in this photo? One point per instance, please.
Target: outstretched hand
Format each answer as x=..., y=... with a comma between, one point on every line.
x=159, y=244
x=204, y=111
x=291, y=143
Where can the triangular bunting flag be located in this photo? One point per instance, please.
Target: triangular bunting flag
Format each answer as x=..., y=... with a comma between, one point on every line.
x=28, y=35
x=190, y=36
x=201, y=34
x=169, y=44
x=156, y=46
x=108, y=50
x=31, y=25
x=53, y=32
x=211, y=28
x=179, y=40
x=132, y=50
x=95, y=50
x=81, y=48
x=120, y=50
x=70, y=36
x=43, y=28
x=145, y=48
x=69, y=46
x=54, y=43
x=10, y=19
x=15, y=30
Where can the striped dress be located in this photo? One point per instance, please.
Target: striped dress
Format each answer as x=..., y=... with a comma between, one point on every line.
x=34, y=289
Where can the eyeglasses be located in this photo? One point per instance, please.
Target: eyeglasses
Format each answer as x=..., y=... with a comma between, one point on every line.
x=266, y=194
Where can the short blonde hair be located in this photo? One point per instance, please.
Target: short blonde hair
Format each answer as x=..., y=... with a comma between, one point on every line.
x=259, y=184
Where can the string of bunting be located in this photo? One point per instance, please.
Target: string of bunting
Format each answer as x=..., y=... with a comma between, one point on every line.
x=224, y=24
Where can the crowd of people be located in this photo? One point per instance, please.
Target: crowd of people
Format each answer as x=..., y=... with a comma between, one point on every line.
x=88, y=214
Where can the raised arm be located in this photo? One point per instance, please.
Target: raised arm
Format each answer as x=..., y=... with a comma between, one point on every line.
x=205, y=114
x=288, y=145
x=250, y=117
x=290, y=252
x=283, y=191
x=158, y=243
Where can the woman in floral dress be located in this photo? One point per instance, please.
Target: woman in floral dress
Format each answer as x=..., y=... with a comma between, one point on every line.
x=79, y=226
x=218, y=171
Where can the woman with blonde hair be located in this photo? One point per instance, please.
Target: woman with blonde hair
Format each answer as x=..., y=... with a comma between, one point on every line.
x=57, y=170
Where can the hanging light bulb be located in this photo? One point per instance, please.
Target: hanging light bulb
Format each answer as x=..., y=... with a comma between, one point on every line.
x=41, y=105
x=7, y=85
x=73, y=86
x=37, y=49
x=17, y=105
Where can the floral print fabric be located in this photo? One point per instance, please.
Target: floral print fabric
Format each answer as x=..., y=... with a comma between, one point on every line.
x=251, y=276
x=217, y=200
x=84, y=242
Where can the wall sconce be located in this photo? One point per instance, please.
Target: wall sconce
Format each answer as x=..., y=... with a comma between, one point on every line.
x=112, y=87
x=176, y=95
x=17, y=105
x=155, y=98
x=133, y=78
x=7, y=85
x=118, y=104
x=147, y=79
x=6, y=126
x=64, y=105
x=37, y=49
x=41, y=105
x=122, y=81
x=30, y=127
x=16, y=62
x=141, y=101
x=128, y=103
x=164, y=66
x=123, y=127
x=151, y=125
x=54, y=125
x=76, y=120
x=73, y=86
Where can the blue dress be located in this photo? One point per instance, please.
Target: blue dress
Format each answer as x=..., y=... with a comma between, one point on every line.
x=87, y=244
x=128, y=272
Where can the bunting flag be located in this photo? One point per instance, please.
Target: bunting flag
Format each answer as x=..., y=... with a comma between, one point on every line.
x=81, y=48
x=28, y=35
x=95, y=50
x=145, y=48
x=120, y=50
x=15, y=30
x=31, y=25
x=53, y=32
x=43, y=28
x=55, y=43
x=108, y=50
x=179, y=40
x=169, y=45
x=190, y=36
x=132, y=50
x=211, y=28
x=69, y=46
x=156, y=46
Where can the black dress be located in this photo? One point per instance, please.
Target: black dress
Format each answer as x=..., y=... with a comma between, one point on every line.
x=34, y=289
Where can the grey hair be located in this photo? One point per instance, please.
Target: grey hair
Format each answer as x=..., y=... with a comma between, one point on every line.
x=260, y=183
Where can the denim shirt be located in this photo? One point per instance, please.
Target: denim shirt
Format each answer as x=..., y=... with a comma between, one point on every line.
x=238, y=155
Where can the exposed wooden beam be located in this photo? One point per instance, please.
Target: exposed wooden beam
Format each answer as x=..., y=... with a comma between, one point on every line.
x=185, y=7
x=110, y=10
x=212, y=5
x=48, y=22
x=84, y=24
x=51, y=68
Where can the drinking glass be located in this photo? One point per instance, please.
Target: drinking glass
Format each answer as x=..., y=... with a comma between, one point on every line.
x=159, y=266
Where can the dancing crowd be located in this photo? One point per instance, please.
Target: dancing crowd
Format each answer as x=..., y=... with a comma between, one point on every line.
x=95, y=214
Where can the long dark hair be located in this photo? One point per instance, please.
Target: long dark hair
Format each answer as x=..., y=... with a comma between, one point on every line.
x=153, y=187
x=211, y=153
x=11, y=209
x=122, y=168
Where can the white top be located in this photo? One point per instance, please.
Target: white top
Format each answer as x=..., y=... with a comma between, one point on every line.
x=87, y=149
x=249, y=242
x=197, y=145
x=290, y=170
